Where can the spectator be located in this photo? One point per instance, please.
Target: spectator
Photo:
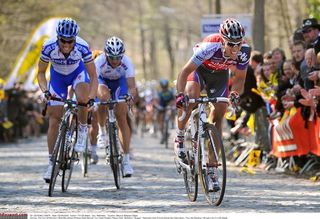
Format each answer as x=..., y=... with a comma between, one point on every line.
x=311, y=30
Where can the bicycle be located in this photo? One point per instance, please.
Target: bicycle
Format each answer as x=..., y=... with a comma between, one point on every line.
x=114, y=159
x=64, y=155
x=166, y=123
x=202, y=142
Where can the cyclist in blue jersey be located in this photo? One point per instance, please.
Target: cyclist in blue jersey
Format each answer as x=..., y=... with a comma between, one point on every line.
x=71, y=65
x=116, y=74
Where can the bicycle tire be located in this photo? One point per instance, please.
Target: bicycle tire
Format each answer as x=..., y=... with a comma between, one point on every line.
x=57, y=159
x=85, y=156
x=212, y=137
x=166, y=133
x=114, y=155
x=70, y=155
x=191, y=178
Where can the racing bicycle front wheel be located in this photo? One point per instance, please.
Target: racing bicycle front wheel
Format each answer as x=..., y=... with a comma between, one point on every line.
x=70, y=155
x=215, y=150
x=115, y=161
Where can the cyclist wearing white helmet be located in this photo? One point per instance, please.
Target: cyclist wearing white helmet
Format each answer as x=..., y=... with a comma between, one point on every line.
x=115, y=73
x=71, y=65
x=208, y=68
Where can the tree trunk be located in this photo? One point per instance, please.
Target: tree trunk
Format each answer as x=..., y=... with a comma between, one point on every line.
x=258, y=26
x=142, y=41
x=218, y=7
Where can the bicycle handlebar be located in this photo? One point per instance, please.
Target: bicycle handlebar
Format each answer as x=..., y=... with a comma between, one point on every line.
x=202, y=100
x=67, y=101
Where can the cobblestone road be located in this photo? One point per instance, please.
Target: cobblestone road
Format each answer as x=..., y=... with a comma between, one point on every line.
x=155, y=187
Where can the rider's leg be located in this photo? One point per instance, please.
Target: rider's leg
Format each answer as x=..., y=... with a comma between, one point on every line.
x=121, y=112
x=124, y=134
x=81, y=91
x=54, y=114
x=193, y=91
x=103, y=95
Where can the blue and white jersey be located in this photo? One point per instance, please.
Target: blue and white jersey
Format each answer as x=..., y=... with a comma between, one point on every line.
x=106, y=71
x=65, y=66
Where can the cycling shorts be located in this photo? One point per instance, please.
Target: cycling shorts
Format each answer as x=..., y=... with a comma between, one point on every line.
x=215, y=82
x=58, y=85
x=118, y=88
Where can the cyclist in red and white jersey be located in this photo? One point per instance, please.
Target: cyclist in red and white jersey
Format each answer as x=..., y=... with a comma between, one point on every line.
x=209, y=68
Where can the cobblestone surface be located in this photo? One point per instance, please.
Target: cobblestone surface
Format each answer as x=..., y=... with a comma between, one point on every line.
x=155, y=187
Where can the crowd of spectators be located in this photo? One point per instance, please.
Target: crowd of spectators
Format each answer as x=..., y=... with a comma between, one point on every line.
x=277, y=86
x=20, y=113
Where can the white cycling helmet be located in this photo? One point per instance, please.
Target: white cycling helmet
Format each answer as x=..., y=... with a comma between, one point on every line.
x=114, y=47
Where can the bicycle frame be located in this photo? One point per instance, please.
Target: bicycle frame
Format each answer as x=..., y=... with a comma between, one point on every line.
x=115, y=158
x=68, y=140
x=205, y=142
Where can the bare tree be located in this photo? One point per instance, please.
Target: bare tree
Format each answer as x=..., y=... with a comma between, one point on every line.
x=142, y=40
x=258, y=25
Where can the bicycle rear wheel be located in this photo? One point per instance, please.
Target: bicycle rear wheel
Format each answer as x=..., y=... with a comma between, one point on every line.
x=57, y=158
x=212, y=142
x=115, y=161
x=70, y=155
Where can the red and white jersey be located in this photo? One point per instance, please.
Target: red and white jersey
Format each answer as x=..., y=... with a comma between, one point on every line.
x=210, y=54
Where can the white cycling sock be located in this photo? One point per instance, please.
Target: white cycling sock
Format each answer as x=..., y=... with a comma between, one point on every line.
x=102, y=130
x=93, y=148
x=126, y=157
x=83, y=127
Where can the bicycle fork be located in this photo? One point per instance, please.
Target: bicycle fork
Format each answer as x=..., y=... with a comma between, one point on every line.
x=201, y=136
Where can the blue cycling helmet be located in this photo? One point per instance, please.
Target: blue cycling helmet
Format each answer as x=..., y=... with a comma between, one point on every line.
x=67, y=28
x=114, y=47
x=164, y=83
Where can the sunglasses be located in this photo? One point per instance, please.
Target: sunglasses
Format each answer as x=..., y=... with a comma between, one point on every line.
x=232, y=44
x=307, y=30
x=64, y=41
x=114, y=57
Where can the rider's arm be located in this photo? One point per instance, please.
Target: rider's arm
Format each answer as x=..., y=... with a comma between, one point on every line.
x=42, y=81
x=183, y=75
x=131, y=82
x=238, y=80
x=91, y=68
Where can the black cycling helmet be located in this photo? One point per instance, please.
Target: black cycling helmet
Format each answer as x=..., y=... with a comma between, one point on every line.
x=232, y=30
x=164, y=83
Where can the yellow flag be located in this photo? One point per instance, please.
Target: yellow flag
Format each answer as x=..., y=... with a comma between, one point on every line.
x=26, y=62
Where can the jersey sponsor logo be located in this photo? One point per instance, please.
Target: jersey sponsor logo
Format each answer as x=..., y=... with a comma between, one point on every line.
x=65, y=61
x=243, y=57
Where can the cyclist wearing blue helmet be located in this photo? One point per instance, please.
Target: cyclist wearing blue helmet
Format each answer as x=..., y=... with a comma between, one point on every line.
x=71, y=65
